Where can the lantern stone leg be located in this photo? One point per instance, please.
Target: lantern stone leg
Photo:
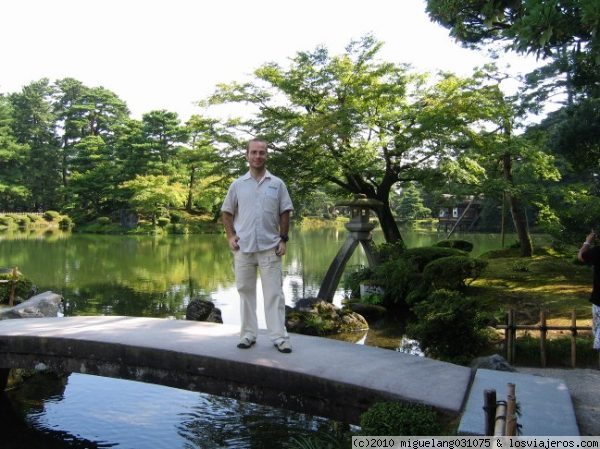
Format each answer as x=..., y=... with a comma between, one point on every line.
x=336, y=269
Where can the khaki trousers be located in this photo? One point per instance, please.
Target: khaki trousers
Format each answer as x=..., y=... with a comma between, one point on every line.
x=271, y=278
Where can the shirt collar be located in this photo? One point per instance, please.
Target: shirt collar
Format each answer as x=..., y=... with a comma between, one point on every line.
x=249, y=176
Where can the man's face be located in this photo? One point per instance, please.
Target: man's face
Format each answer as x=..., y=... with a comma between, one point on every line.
x=257, y=155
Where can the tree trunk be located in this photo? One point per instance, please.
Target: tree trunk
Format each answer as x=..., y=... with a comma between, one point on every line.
x=388, y=224
x=188, y=204
x=517, y=211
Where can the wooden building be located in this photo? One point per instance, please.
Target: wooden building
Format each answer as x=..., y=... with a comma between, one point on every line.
x=459, y=213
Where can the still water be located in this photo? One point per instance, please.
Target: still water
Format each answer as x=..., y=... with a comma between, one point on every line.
x=156, y=277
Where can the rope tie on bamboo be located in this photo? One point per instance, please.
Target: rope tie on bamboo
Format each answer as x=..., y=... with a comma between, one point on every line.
x=499, y=417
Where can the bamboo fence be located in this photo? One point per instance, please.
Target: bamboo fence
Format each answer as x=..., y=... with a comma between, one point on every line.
x=510, y=334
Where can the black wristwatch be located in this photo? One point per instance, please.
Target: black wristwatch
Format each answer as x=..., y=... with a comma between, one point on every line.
x=284, y=237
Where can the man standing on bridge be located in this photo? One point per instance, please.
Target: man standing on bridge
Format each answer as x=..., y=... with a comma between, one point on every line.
x=256, y=217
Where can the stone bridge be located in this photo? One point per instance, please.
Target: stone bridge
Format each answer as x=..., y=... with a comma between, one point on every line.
x=321, y=377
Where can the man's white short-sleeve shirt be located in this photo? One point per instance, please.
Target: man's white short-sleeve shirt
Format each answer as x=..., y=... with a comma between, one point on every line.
x=256, y=207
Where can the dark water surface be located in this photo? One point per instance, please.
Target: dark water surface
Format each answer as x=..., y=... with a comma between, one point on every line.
x=156, y=277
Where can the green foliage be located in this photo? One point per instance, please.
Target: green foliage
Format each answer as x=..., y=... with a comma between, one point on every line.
x=389, y=251
x=372, y=299
x=452, y=272
x=411, y=205
x=353, y=279
x=103, y=220
x=397, y=278
x=422, y=256
x=51, y=215
x=463, y=245
x=396, y=418
x=65, y=222
x=7, y=220
x=449, y=326
x=23, y=288
x=163, y=221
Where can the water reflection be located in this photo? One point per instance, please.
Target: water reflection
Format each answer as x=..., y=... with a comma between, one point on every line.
x=156, y=277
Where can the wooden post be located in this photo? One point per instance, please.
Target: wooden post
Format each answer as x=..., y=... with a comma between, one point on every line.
x=510, y=337
x=489, y=408
x=573, y=339
x=543, y=334
x=500, y=425
x=511, y=411
x=13, y=286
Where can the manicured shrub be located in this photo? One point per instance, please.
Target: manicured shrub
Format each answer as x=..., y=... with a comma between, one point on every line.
x=51, y=215
x=6, y=220
x=463, y=245
x=390, y=251
x=103, y=220
x=424, y=255
x=34, y=217
x=23, y=221
x=452, y=272
x=65, y=222
x=176, y=217
x=449, y=326
x=163, y=221
x=397, y=278
x=397, y=418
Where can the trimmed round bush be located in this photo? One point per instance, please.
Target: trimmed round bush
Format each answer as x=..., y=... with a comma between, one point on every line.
x=163, y=221
x=51, y=215
x=424, y=255
x=452, y=272
x=6, y=220
x=463, y=245
x=65, y=222
x=397, y=418
x=103, y=220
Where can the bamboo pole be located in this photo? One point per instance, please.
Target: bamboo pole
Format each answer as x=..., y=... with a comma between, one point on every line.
x=543, y=334
x=508, y=336
x=511, y=411
x=489, y=408
x=573, y=339
x=500, y=424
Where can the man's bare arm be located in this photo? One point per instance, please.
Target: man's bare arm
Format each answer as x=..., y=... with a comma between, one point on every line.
x=232, y=238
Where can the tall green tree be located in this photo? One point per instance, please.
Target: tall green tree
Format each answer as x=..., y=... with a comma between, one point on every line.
x=356, y=122
x=152, y=195
x=13, y=163
x=34, y=125
x=164, y=136
x=566, y=32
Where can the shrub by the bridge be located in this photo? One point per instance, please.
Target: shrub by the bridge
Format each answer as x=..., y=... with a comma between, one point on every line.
x=449, y=326
x=397, y=418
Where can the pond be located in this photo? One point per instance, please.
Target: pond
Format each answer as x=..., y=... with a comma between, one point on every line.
x=156, y=277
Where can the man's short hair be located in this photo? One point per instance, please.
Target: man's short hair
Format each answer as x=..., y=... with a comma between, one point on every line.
x=256, y=139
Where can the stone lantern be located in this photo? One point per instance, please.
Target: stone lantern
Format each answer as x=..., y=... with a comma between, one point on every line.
x=359, y=228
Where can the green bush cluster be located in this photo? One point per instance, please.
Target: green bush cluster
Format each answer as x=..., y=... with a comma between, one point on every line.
x=51, y=215
x=449, y=326
x=452, y=272
x=23, y=288
x=397, y=418
x=463, y=245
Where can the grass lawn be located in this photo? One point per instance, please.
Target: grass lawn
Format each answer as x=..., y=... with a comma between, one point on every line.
x=551, y=280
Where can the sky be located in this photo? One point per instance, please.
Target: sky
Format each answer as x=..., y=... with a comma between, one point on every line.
x=170, y=54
